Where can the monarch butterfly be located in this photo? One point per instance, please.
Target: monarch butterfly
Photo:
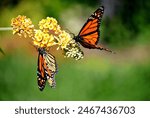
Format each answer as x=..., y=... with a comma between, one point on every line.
x=46, y=70
x=89, y=34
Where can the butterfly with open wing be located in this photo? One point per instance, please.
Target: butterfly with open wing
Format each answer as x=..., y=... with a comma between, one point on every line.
x=89, y=34
x=47, y=68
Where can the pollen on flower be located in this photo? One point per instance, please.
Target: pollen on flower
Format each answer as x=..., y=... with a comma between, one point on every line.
x=42, y=39
x=22, y=26
x=51, y=41
x=48, y=24
x=38, y=35
x=64, y=39
x=36, y=43
x=57, y=30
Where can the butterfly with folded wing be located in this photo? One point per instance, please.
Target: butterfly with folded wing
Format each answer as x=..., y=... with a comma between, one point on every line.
x=47, y=68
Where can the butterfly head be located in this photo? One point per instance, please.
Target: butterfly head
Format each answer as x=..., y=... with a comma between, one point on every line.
x=77, y=38
x=41, y=50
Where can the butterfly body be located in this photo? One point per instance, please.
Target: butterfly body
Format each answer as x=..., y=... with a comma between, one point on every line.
x=89, y=34
x=46, y=70
x=86, y=44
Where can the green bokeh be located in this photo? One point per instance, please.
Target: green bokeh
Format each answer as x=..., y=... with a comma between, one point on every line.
x=93, y=79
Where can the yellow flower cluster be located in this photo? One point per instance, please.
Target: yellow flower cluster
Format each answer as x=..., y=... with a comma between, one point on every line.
x=64, y=39
x=48, y=34
x=49, y=25
x=42, y=39
x=22, y=26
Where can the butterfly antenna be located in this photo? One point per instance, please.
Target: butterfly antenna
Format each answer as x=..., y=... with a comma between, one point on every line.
x=70, y=32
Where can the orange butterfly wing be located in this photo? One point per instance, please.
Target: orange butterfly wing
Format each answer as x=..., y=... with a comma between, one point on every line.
x=41, y=72
x=89, y=33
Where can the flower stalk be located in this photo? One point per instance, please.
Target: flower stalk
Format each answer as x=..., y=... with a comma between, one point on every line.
x=5, y=28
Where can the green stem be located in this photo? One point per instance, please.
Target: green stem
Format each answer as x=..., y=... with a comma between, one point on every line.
x=5, y=28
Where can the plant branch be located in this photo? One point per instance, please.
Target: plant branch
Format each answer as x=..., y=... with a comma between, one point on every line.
x=5, y=28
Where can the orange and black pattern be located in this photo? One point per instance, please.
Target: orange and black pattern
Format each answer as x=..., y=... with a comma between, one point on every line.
x=46, y=70
x=89, y=35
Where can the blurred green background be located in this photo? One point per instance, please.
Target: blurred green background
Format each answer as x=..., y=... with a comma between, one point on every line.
x=99, y=75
